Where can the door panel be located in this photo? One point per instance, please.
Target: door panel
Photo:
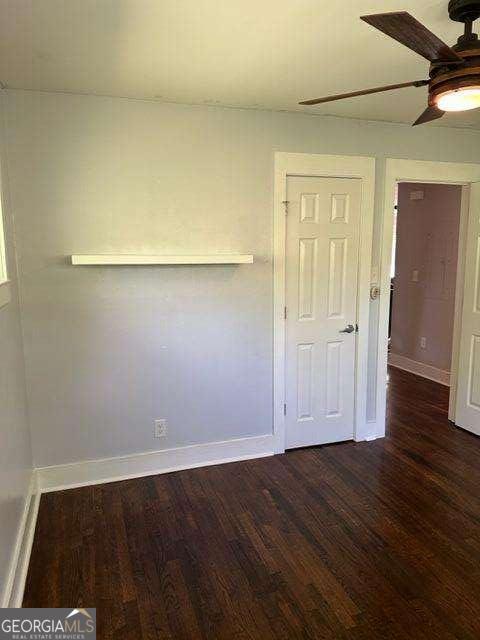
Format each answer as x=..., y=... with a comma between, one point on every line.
x=333, y=405
x=307, y=270
x=304, y=381
x=336, y=277
x=467, y=413
x=322, y=264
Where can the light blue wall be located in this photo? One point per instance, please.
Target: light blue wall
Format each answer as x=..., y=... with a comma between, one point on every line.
x=15, y=446
x=108, y=350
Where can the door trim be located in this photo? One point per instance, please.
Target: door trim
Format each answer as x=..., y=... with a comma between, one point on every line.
x=400, y=170
x=326, y=166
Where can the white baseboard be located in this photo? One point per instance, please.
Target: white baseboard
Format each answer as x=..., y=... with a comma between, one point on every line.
x=89, y=472
x=17, y=576
x=419, y=368
x=369, y=431
x=373, y=436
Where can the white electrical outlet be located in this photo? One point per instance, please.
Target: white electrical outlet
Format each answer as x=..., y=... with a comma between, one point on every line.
x=160, y=430
x=423, y=342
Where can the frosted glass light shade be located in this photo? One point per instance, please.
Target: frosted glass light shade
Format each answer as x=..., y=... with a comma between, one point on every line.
x=459, y=99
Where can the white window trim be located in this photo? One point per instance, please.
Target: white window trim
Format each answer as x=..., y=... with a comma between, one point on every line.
x=5, y=294
x=3, y=257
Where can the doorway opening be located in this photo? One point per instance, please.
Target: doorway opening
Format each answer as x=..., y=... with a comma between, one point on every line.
x=423, y=280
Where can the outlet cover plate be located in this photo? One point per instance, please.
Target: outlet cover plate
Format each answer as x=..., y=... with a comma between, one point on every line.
x=160, y=430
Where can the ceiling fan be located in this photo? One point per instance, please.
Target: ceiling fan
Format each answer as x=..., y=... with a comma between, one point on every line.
x=454, y=82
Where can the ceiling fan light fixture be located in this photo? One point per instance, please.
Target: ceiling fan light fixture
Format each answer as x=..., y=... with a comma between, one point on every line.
x=459, y=99
x=454, y=74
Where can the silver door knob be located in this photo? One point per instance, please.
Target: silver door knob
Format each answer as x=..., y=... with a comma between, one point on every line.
x=348, y=329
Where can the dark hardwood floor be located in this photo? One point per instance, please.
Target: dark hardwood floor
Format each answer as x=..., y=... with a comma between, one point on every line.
x=355, y=541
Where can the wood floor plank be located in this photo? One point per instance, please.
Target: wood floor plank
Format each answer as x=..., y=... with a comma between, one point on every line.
x=352, y=541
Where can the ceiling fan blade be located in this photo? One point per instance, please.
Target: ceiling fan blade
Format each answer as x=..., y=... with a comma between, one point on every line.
x=404, y=28
x=430, y=113
x=365, y=92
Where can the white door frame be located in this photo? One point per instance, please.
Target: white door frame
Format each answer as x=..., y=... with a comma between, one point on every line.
x=303, y=164
x=427, y=172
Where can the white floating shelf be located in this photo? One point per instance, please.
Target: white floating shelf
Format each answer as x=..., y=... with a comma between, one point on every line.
x=130, y=259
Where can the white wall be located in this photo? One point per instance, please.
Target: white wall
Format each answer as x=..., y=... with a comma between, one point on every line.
x=15, y=446
x=110, y=349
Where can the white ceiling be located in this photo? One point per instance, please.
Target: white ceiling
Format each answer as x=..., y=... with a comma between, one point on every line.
x=247, y=53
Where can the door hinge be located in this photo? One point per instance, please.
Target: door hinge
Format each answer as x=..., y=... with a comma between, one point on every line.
x=356, y=328
x=284, y=408
x=286, y=203
x=284, y=313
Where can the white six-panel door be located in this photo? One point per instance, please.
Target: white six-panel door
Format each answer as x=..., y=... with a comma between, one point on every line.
x=323, y=225
x=467, y=412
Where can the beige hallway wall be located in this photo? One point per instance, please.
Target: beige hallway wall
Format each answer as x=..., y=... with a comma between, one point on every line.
x=425, y=272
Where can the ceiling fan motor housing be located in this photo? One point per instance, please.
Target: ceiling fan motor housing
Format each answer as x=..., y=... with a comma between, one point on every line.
x=464, y=10
x=445, y=78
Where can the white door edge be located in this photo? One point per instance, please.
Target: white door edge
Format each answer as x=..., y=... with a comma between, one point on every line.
x=459, y=286
x=467, y=410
